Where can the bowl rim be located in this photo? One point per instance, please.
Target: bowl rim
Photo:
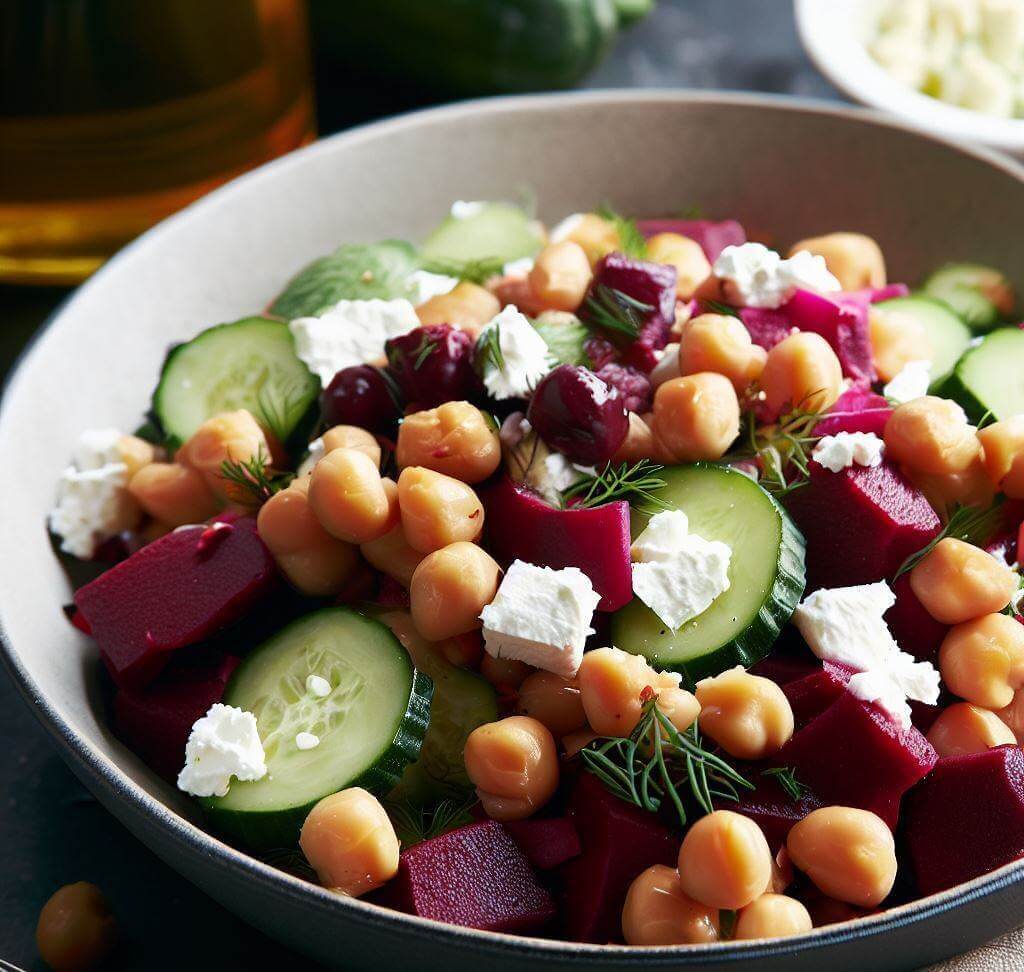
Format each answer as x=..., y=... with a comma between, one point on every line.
x=99, y=772
x=820, y=30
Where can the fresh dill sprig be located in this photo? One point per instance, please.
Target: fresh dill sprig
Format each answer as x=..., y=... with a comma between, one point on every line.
x=291, y=860
x=251, y=482
x=658, y=761
x=489, y=347
x=280, y=408
x=785, y=776
x=424, y=351
x=476, y=271
x=416, y=823
x=971, y=524
x=615, y=311
x=632, y=242
x=717, y=307
x=637, y=483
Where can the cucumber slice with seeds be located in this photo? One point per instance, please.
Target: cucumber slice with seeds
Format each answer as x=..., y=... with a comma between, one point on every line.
x=370, y=726
x=766, y=575
x=948, y=336
x=978, y=294
x=493, y=231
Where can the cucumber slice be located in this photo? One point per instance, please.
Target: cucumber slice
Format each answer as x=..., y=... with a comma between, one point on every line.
x=990, y=377
x=371, y=725
x=462, y=701
x=248, y=364
x=980, y=295
x=494, y=231
x=766, y=575
x=947, y=334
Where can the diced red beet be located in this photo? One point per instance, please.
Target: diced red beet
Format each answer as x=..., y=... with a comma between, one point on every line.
x=619, y=841
x=600, y=351
x=642, y=354
x=872, y=295
x=855, y=755
x=813, y=694
x=1003, y=546
x=860, y=523
x=915, y=630
x=650, y=283
x=767, y=326
x=967, y=818
x=844, y=324
x=633, y=385
x=175, y=592
x=155, y=721
x=76, y=619
x=771, y=808
x=547, y=843
x=856, y=410
x=476, y=877
x=713, y=237
x=522, y=526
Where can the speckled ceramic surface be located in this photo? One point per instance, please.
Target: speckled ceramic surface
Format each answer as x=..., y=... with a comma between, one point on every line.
x=781, y=167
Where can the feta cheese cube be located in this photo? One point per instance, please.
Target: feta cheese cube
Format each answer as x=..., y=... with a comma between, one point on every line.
x=844, y=449
x=667, y=367
x=352, y=332
x=758, y=277
x=423, y=285
x=910, y=382
x=92, y=506
x=525, y=356
x=97, y=448
x=541, y=616
x=222, y=745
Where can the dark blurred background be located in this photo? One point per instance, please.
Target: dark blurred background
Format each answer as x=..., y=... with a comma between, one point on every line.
x=51, y=831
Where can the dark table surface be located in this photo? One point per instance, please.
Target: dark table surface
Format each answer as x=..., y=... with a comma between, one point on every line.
x=51, y=830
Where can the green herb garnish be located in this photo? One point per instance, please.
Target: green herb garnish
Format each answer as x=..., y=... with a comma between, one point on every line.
x=659, y=761
x=637, y=484
x=424, y=351
x=615, y=311
x=971, y=524
x=632, y=242
x=785, y=776
x=476, y=271
x=717, y=307
x=489, y=347
x=416, y=823
x=251, y=481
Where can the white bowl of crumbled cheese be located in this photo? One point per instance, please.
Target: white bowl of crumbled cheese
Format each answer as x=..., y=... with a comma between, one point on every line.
x=955, y=67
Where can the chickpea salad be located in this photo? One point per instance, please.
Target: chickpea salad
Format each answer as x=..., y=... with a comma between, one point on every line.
x=666, y=580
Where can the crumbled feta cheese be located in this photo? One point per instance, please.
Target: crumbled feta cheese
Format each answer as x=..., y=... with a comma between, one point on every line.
x=423, y=285
x=541, y=616
x=313, y=456
x=847, y=625
x=844, y=449
x=910, y=382
x=97, y=448
x=223, y=744
x=678, y=574
x=525, y=356
x=561, y=473
x=306, y=740
x=461, y=209
x=318, y=686
x=518, y=268
x=90, y=507
x=352, y=332
x=667, y=367
x=566, y=228
x=759, y=277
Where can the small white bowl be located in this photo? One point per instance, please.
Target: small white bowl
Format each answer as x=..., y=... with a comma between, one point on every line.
x=835, y=34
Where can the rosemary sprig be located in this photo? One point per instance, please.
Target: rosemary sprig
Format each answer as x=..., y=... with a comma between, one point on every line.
x=785, y=776
x=251, y=481
x=971, y=524
x=632, y=242
x=658, y=761
x=637, y=483
x=476, y=271
x=615, y=311
x=280, y=408
x=416, y=823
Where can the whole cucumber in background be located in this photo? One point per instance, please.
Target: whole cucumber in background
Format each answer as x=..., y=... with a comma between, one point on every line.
x=474, y=46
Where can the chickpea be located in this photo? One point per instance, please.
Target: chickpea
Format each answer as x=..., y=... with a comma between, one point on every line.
x=897, y=338
x=135, y=453
x=456, y=439
x=596, y=235
x=686, y=255
x=553, y=701
x=561, y=276
x=681, y=707
x=450, y=588
x=658, y=912
x=76, y=930
x=463, y=650
x=720, y=343
x=945, y=492
x=516, y=290
x=801, y=371
x=724, y=861
x=772, y=916
x=392, y=555
x=228, y=437
x=640, y=442
x=467, y=306
x=854, y=259
x=696, y=417
x=573, y=742
x=982, y=660
x=748, y=716
x=1012, y=716
x=1003, y=445
x=173, y=494
x=352, y=437
x=316, y=563
x=782, y=873
x=437, y=510
x=350, y=842
x=514, y=766
x=848, y=853
x=349, y=497
x=957, y=582
x=931, y=435
x=610, y=682
x=505, y=674
x=965, y=728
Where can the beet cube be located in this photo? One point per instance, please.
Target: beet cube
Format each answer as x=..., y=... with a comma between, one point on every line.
x=767, y=325
x=855, y=755
x=619, y=841
x=967, y=818
x=653, y=284
x=860, y=523
x=814, y=693
x=476, y=877
x=771, y=808
x=844, y=324
x=915, y=630
x=857, y=410
x=713, y=237
x=175, y=592
x=546, y=843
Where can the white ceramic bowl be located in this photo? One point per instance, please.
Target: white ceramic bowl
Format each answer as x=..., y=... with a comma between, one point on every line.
x=781, y=166
x=835, y=34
